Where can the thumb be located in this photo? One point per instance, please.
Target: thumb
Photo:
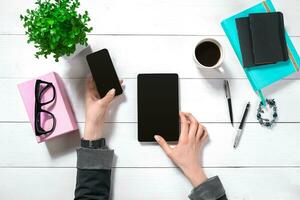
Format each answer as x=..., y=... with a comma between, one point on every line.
x=108, y=97
x=163, y=144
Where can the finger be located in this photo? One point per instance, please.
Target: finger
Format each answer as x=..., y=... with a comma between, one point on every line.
x=121, y=81
x=88, y=82
x=184, y=126
x=200, y=132
x=91, y=89
x=94, y=90
x=193, y=126
x=107, y=99
x=163, y=144
x=88, y=88
x=204, y=135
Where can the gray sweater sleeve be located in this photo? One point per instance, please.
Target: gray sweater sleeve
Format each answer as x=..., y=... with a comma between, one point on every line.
x=212, y=189
x=101, y=159
x=93, y=173
x=94, y=158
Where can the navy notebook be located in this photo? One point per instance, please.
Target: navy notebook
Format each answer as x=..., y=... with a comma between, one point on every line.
x=266, y=75
x=269, y=45
x=262, y=39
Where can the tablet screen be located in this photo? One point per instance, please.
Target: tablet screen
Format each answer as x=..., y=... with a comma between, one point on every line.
x=158, y=109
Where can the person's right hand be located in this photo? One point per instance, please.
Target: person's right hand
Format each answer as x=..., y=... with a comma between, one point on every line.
x=186, y=153
x=95, y=110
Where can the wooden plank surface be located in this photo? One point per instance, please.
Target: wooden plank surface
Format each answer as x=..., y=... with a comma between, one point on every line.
x=204, y=97
x=258, y=147
x=131, y=55
x=152, y=183
x=150, y=36
x=153, y=17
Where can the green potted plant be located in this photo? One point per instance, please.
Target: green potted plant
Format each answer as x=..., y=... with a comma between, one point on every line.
x=55, y=27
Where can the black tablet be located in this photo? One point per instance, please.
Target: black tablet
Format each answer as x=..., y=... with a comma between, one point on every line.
x=158, y=107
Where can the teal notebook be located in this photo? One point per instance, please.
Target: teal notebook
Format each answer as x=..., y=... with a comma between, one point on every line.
x=262, y=76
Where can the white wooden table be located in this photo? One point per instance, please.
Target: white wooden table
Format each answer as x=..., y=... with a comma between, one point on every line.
x=150, y=36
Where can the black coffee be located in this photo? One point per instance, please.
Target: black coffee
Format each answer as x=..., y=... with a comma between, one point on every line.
x=208, y=53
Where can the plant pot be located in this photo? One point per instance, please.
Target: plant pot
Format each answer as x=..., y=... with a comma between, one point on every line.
x=79, y=49
x=76, y=62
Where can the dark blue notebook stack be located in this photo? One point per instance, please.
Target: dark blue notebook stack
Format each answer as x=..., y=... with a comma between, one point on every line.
x=262, y=39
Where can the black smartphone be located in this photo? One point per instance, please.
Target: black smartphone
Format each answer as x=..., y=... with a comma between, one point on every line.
x=103, y=72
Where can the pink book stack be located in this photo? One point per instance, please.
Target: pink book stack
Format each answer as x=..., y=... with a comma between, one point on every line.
x=61, y=108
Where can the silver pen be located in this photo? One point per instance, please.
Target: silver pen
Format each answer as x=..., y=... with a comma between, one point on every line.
x=240, y=129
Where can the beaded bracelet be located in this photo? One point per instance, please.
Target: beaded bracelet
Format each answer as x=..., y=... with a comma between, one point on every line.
x=264, y=121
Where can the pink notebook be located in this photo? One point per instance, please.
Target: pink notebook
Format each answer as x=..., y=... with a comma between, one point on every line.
x=60, y=108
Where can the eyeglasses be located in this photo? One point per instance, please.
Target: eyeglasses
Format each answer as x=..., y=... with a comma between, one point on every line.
x=45, y=121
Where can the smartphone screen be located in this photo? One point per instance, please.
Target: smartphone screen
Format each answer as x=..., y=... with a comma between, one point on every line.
x=103, y=72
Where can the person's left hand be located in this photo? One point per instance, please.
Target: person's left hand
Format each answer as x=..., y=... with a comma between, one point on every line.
x=95, y=110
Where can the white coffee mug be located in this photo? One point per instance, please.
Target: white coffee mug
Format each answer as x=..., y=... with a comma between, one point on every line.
x=221, y=59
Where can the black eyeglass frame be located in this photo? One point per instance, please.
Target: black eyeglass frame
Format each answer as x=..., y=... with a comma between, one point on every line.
x=38, y=107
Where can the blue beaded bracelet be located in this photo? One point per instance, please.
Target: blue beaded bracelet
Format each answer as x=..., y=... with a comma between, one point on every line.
x=264, y=121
